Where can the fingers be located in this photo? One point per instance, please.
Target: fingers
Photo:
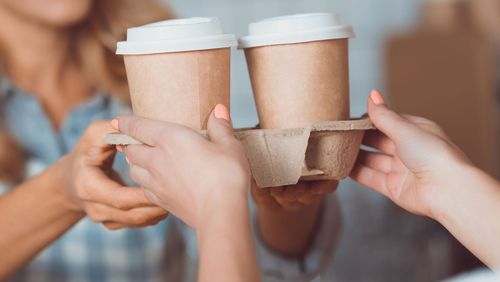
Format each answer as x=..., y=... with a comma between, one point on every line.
x=141, y=176
x=263, y=198
x=289, y=194
x=150, y=188
x=140, y=155
x=297, y=196
x=378, y=140
x=377, y=161
x=138, y=216
x=393, y=125
x=111, y=225
x=92, y=146
x=154, y=199
x=95, y=133
x=370, y=177
x=219, y=126
x=144, y=130
x=108, y=192
x=427, y=125
x=323, y=187
x=97, y=156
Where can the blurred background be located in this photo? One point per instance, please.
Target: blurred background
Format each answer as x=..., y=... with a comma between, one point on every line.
x=437, y=59
x=373, y=20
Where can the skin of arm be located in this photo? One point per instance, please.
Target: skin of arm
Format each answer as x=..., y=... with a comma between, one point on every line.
x=34, y=207
x=226, y=245
x=470, y=209
x=204, y=182
x=294, y=209
x=40, y=210
x=420, y=169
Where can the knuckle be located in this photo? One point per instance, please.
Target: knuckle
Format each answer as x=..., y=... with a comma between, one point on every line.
x=93, y=152
x=134, y=127
x=119, y=204
x=94, y=214
x=95, y=126
x=137, y=218
x=159, y=214
x=82, y=193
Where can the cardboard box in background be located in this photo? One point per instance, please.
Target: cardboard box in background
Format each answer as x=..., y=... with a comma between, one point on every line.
x=449, y=78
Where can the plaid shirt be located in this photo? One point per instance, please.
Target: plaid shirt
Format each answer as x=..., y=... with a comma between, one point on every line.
x=89, y=252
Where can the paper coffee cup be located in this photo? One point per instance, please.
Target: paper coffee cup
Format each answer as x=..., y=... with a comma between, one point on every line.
x=299, y=69
x=178, y=70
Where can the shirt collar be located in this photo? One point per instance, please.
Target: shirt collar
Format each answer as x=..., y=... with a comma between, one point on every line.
x=5, y=86
x=98, y=101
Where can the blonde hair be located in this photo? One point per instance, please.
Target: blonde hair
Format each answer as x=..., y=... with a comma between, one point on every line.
x=94, y=43
x=95, y=40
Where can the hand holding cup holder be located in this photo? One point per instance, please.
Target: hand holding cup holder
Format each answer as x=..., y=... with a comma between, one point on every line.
x=298, y=66
x=277, y=157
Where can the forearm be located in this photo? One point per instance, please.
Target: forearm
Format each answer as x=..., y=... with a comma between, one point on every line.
x=32, y=215
x=226, y=246
x=275, y=227
x=471, y=213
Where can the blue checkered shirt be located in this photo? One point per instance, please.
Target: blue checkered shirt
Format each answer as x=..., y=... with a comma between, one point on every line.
x=89, y=252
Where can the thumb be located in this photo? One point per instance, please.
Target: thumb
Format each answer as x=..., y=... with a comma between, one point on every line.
x=219, y=127
x=393, y=125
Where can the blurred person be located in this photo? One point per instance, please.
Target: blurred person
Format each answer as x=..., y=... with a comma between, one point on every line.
x=59, y=75
x=39, y=210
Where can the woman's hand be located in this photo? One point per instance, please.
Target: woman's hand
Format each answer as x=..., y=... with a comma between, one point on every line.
x=189, y=175
x=294, y=197
x=204, y=182
x=422, y=171
x=415, y=163
x=93, y=187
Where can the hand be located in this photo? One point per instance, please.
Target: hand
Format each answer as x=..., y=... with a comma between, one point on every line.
x=293, y=197
x=416, y=161
x=88, y=177
x=191, y=176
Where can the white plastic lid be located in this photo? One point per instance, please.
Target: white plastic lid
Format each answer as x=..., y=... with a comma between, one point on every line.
x=175, y=36
x=295, y=29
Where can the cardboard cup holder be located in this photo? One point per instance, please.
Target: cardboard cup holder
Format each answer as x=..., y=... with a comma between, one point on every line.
x=323, y=151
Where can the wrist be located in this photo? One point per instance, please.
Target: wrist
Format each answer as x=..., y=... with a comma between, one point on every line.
x=456, y=189
x=275, y=225
x=60, y=186
x=222, y=217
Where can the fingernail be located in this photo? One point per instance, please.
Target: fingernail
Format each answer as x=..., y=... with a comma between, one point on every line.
x=221, y=112
x=119, y=148
x=376, y=97
x=114, y=124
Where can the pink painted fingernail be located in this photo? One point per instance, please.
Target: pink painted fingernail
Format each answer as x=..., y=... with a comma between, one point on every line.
x=376, y=97
x=114, y=124
x=221, y=112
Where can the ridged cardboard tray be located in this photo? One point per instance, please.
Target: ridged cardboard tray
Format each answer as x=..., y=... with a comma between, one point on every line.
x=324, y=151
